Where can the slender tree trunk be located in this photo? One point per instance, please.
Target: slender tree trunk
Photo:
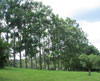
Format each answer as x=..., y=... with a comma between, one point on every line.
x=20, y=54
x=31, y=63
x=40, y=54
x=58, y=65
x=44, y=58
x=14, y=51
x=89, y=73
x=44, y=62
x=48, y=64
x=7, y=38
x=48, y=61
x=55, y=65
x=40, y=59
x=0, y=34
x=8, y=50
x=20, y=60
x=61, y=66
x=26, y=51
x=26, y=61
x=48, y=53
x=54, y=62
x=26, y=58
x=36, y=61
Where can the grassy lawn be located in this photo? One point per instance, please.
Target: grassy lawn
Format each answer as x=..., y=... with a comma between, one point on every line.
x=11, y=74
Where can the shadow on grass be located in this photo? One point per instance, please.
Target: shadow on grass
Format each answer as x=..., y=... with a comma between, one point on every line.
x=9, y=68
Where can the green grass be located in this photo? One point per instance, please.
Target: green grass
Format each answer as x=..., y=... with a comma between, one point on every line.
x=11, y=74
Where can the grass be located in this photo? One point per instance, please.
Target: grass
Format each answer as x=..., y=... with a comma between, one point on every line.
x=13, y=74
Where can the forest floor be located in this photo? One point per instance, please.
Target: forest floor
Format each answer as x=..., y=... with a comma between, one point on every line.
x=14, y=74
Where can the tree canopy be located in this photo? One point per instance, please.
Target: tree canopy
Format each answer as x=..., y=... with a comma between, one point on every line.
x=42, y=37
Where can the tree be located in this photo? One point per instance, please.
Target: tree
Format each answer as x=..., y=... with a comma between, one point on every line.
x=85, y=61
x=3, y=53
x=89, y=61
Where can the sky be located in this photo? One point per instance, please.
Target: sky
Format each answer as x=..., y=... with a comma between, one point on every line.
x=85, y=12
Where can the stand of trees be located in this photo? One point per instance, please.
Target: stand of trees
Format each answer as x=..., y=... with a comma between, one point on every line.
x=36, y=33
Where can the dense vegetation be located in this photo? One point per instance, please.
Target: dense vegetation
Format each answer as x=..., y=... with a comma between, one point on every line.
x=11, y=74
x=3, y=53
x=43, y=38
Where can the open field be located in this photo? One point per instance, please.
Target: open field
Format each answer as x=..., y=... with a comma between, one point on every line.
x=11, y=74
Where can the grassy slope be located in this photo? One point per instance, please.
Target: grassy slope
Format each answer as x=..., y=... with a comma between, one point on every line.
x=11, y=74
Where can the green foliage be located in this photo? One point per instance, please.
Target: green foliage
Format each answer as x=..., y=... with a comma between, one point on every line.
x=90, y=61
x=34, y=31
x=3, y=53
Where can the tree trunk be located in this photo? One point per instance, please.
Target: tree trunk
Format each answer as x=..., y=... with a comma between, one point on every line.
x=8, y=50
x=20, y=60
x=48, y=64
x=89, y=72
x=0, y=34
x=26, y=61
x=61, y=66
x=26, y=52
x=7, y=37
x=20, y=54
x=55, y=65
x=14, y=51
x=40, y=54
x=31, y=63
x=44, y=61
x=44, y=56
x=26, y=58
x=48, y=61
x=58, y=65
x=36, y=61
x=54, y=62
x=40, y=59
x=48, y=53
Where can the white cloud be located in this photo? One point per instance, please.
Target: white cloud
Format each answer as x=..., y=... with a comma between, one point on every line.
x=93, y=31
x=67, y=8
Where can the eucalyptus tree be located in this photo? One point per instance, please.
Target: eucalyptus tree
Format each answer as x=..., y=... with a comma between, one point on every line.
x=60, y=41
x=66, y=38
x=13, y=19
x=32, y=44
x=41, y=20
x=25, y=17
x=56, y=34
x=5, y=9
x=74, y=37
x=3, y=27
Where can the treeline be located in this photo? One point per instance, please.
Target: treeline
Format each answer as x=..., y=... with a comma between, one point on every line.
x=33, y=31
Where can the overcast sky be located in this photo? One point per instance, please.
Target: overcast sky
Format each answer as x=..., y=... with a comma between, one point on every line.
x=86, y=12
